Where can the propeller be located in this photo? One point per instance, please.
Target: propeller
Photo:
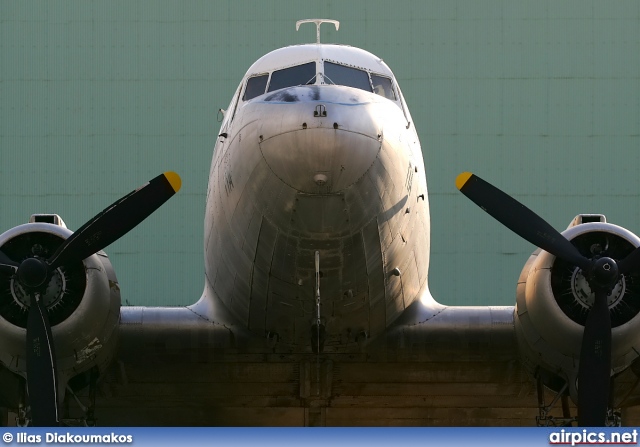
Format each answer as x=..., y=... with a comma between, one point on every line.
x=602, y=273
x=34, y=273
x=7, y=265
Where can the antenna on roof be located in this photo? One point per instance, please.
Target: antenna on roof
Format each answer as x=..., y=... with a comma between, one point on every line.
x=318, y=22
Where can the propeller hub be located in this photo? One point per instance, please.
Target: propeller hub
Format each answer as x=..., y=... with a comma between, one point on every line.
x=33, y=272
x=604, y=272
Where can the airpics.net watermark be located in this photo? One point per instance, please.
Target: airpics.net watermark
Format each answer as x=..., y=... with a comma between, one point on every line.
x=590, y=437
x=66, y=438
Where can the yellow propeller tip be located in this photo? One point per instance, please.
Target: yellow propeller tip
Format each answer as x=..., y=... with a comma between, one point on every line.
x=462, y=178
x=174, y=180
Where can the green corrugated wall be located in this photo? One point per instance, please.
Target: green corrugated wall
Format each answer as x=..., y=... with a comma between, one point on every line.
x=540, y=97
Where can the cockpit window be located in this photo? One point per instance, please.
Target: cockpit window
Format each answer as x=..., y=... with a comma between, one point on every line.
x=299, y=75
x=342, y=75
x=256, y=86
x=382, y=86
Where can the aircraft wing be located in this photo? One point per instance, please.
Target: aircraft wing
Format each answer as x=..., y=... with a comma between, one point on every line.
x=458, y=367
x=176, y=368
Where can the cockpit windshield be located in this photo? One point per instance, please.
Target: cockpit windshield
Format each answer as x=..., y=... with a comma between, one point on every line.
x=255, y=86
x=331, y=73
x=383, y=86
x=354, y=77
x=343, y=75
x=299, y=75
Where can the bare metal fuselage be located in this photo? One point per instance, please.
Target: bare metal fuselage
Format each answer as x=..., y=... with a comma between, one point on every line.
x=322, y=168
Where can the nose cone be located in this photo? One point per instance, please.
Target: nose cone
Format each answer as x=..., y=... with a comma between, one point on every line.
x=321, y=146
x=320, y=160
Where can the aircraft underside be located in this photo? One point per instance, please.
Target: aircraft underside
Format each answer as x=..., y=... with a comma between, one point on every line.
x=214, y=375
x=421, y=384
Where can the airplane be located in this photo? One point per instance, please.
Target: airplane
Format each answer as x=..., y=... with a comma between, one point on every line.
x=316, y=307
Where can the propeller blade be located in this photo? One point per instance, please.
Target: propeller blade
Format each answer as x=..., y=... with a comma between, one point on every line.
x=103, y=229
x=519, y=219
x=7, y=265
x=117, y=219
x=7, y=269
x=631, y=262
x=595, y=364
x=41, y=367
x=6, y=260
x=595, y=355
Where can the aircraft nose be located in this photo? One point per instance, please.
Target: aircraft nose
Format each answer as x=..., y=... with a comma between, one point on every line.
x=320, y=148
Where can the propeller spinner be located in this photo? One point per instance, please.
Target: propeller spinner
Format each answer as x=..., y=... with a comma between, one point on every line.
x=602, y=274
x=34, y=273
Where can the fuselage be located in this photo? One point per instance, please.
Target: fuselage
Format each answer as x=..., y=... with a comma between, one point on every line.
x=317, y=153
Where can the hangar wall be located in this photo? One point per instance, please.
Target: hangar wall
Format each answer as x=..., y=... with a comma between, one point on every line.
x=542, y=98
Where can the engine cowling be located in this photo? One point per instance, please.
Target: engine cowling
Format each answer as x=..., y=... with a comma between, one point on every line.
x=82, y=301
x=553, y=300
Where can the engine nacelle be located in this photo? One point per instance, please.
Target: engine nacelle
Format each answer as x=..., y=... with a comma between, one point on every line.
x=553, y=300
x=82, y=302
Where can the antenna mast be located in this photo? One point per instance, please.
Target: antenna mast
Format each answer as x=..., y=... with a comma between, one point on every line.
x=318, y=22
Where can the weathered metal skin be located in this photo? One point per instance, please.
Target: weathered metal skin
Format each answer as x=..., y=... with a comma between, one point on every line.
x=547, y=337
x=86, y=338
x=324, y=168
